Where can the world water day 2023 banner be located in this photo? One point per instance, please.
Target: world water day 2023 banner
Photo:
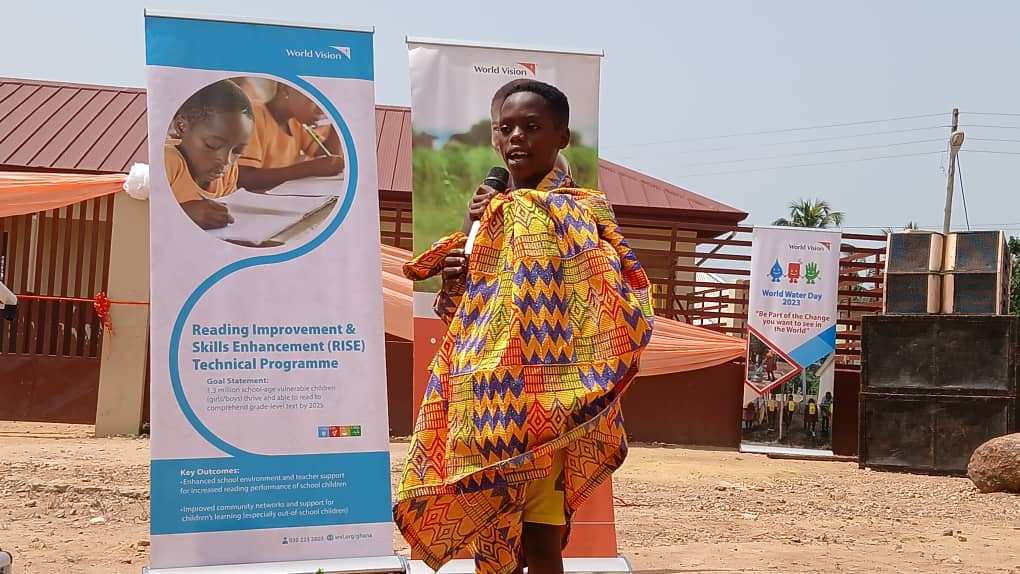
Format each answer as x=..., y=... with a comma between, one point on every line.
x=793, y=303
x=269, y=427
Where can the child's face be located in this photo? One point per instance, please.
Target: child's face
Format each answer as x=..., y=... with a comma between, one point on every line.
x=300, y=107
x=527, y=137
x=211, y=145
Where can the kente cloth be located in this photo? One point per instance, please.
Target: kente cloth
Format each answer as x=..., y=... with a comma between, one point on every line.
x=543, y=337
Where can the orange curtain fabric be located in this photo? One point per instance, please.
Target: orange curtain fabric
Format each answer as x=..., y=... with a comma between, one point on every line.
x=679, y=347
x=675, y=347
x=397, y=293
x=25, y=192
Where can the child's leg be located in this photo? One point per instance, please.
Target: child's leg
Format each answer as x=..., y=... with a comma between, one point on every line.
x=544, y=522
x=542, y=548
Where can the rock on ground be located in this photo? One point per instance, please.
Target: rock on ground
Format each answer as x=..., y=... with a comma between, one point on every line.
x=995, y=465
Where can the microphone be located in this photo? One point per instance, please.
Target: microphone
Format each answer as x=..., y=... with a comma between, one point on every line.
x=497, y=179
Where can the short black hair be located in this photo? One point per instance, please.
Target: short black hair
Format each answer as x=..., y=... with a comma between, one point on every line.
x=557, y=100
x=220, y=97
x=504, y=91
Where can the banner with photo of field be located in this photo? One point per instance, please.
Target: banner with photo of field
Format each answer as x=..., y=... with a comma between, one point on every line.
x=452, y=88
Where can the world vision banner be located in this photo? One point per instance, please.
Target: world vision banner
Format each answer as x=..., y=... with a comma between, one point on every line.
x=452, y=91
x=452, y=112
x=792, y=308
x=269, y=421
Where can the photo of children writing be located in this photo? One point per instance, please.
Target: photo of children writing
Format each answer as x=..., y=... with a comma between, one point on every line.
x=253, y=161
x=288, y=142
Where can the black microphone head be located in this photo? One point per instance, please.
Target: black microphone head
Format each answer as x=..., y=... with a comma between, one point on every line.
x=498, y=179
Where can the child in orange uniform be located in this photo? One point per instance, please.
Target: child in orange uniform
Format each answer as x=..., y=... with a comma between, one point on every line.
x=284, y=147
x=208, y=134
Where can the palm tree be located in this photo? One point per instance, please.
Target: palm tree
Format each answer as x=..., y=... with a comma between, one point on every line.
x=910, y=226
x=808, y=213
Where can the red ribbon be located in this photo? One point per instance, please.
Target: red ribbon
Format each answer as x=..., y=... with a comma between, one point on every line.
x=102, y=307
x=101, y=303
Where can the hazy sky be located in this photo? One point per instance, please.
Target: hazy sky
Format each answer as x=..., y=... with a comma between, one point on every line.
x=679, y=75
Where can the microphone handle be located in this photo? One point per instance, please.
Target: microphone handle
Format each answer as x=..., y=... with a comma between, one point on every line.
x=497, y=183
x=471, y=237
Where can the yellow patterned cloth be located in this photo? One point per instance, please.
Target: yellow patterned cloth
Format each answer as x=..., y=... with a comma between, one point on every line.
x=543, y=337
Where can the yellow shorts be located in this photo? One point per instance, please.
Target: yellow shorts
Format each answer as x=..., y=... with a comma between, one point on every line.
x=544, y=499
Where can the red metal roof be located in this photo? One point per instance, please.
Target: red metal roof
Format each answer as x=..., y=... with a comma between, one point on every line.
x=73, y=127
x=628, y=188
x=393, y=148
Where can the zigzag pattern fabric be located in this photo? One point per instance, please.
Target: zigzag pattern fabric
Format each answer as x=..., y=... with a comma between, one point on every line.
x=543, y=338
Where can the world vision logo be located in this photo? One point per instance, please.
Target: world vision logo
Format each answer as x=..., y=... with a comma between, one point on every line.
x=519, y=69
x=340, y=53
x=810, y=247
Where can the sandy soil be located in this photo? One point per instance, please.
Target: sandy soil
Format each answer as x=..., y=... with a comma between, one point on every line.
x=70, y=503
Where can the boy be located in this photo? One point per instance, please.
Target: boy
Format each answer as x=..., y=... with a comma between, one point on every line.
x=521, y=420
x=208, y=134
x=770, y=365
x=810, y=417
x=791, y=408
x=826, y=408
x=773, y=410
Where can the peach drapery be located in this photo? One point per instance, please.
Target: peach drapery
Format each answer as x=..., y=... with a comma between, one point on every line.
x=29, y=192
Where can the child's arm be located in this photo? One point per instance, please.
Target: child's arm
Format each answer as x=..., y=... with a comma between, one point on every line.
x=253, y=176
x=263, y=178
x=446, y=255
x=454, y=283
x=434, y=261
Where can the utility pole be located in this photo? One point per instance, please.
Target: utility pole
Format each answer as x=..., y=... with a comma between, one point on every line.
x=955, y=141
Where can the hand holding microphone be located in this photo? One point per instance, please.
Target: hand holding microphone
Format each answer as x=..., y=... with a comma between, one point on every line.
x=497, y=181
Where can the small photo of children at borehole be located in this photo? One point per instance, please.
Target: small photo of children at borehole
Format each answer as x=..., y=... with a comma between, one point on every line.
x=794, y=410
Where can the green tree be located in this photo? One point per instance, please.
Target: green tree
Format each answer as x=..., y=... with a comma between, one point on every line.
x=479, y=134
x=811, y=213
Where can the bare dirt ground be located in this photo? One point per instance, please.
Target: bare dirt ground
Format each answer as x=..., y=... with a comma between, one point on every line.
x=71, y=503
